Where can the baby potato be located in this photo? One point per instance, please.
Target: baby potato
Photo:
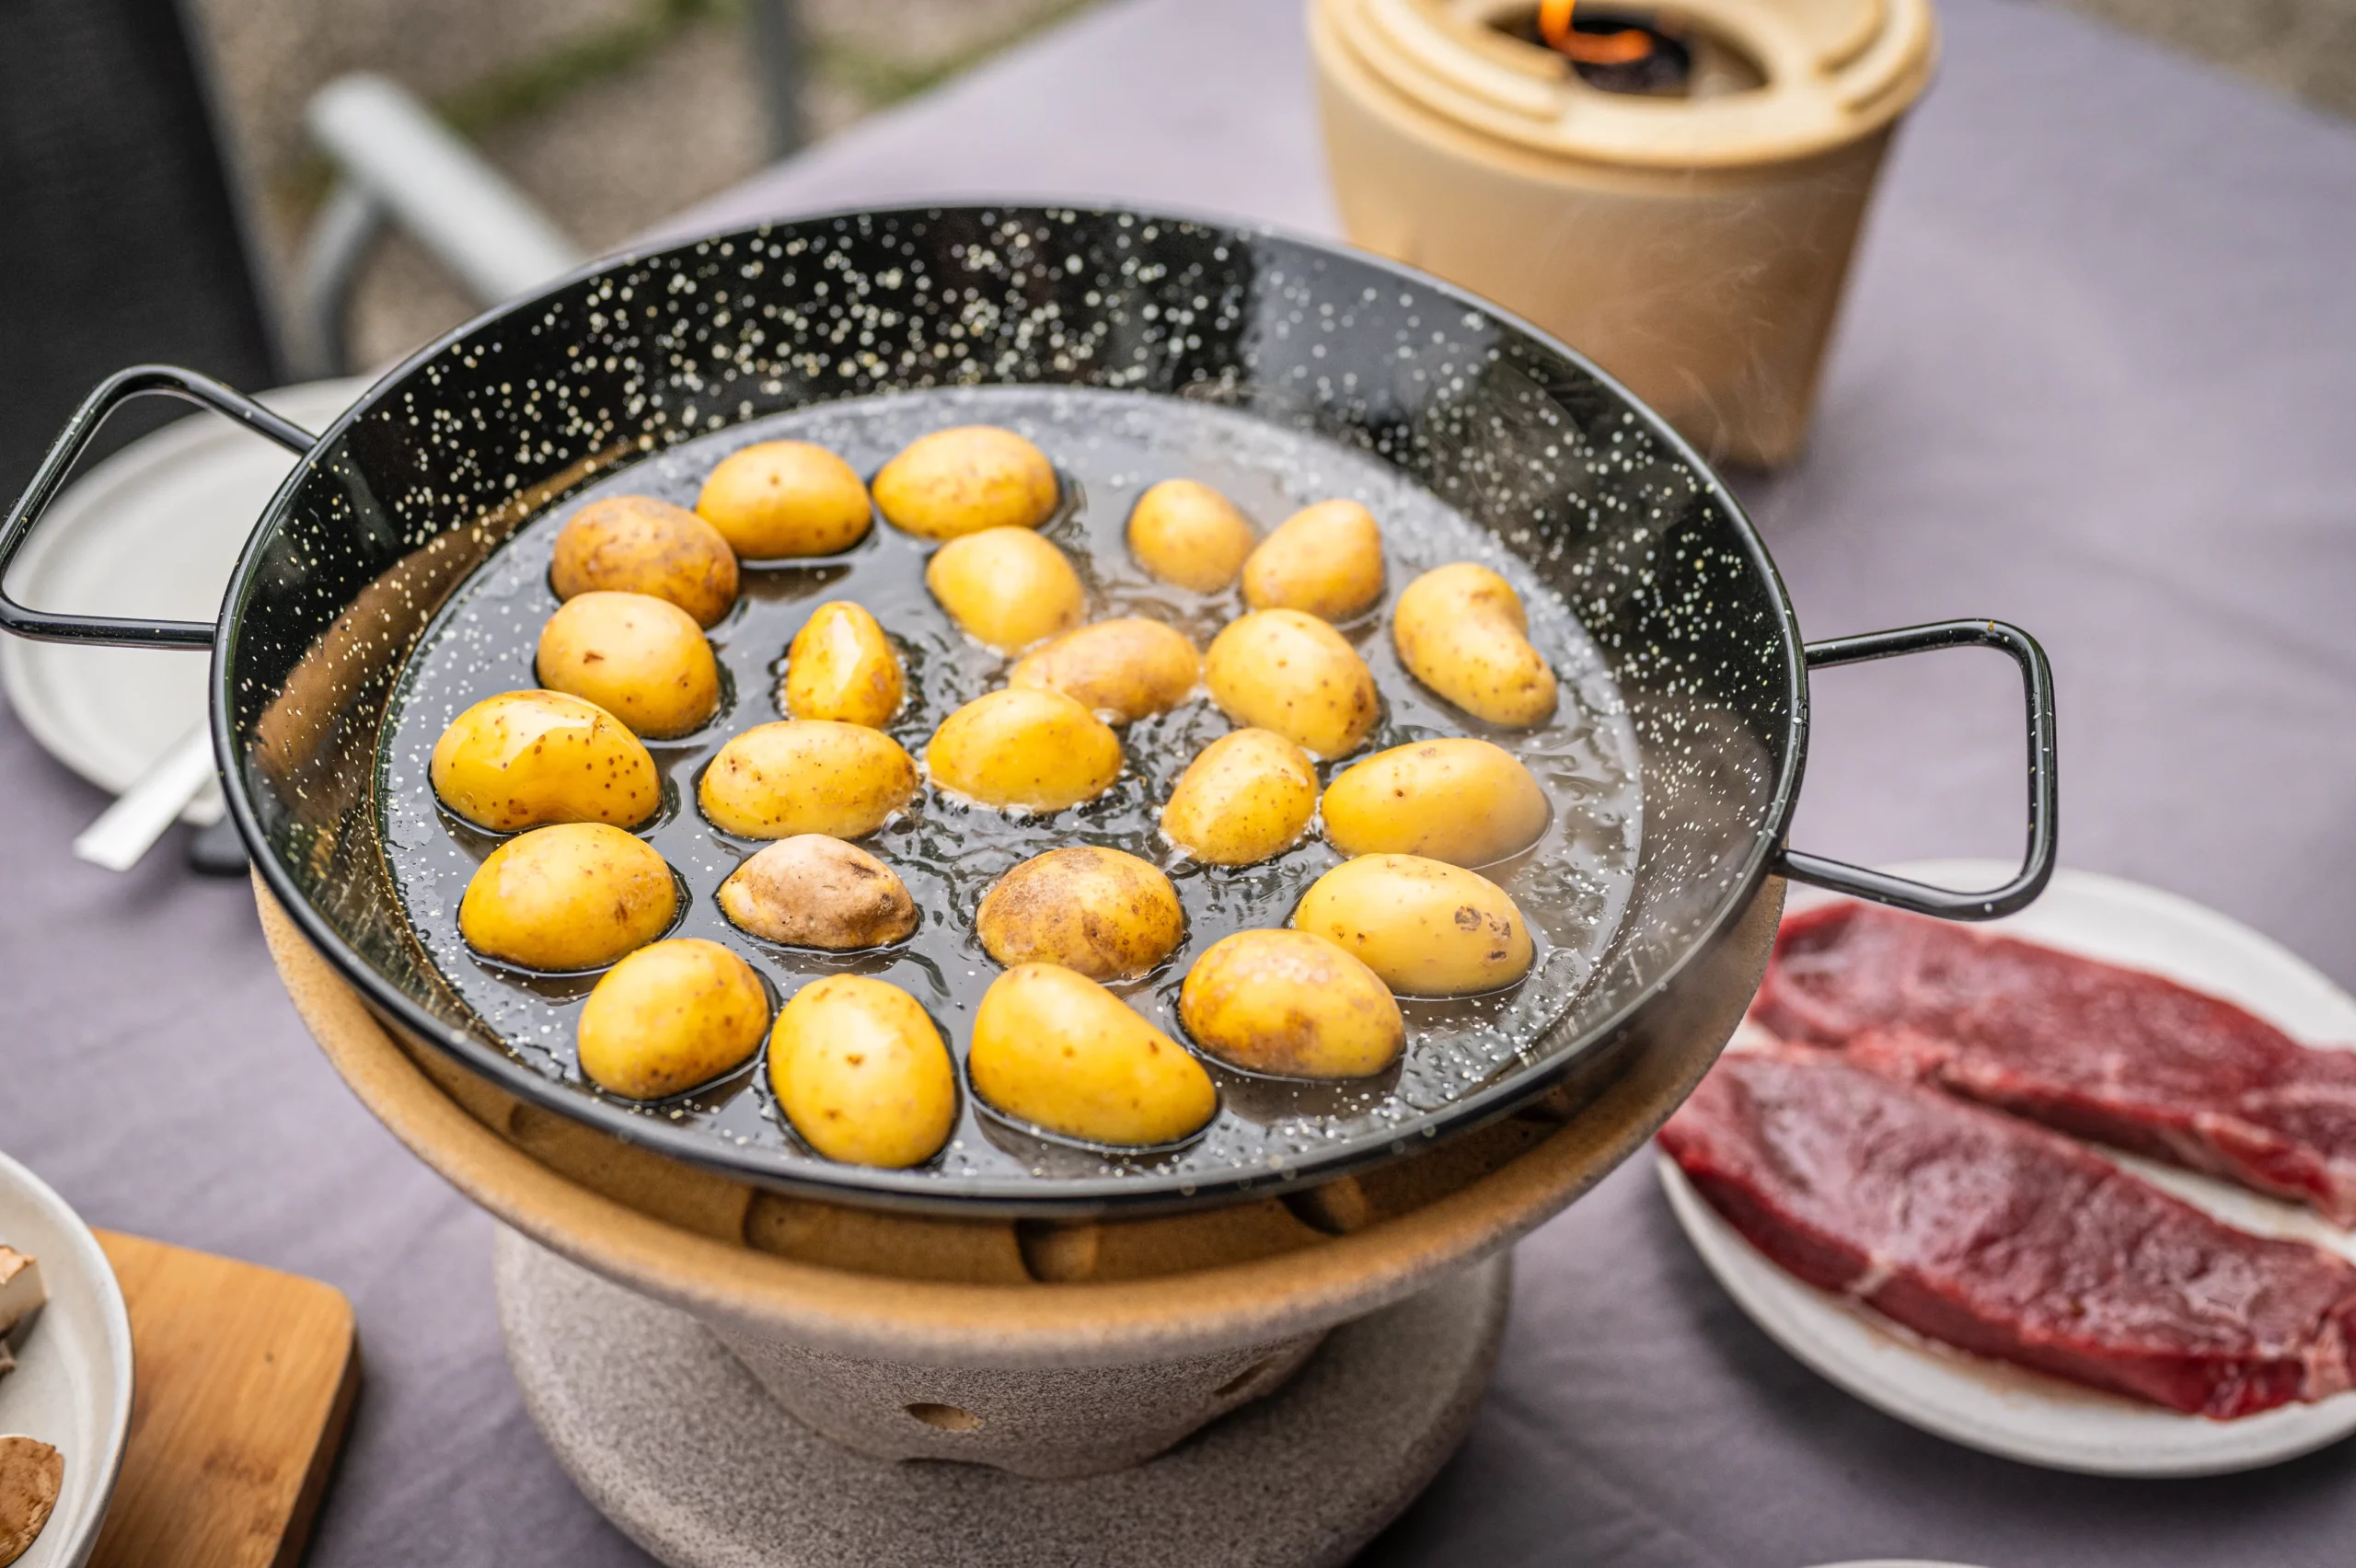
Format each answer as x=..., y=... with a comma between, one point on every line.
x=806, y=776
x=841, y=666
x=1246, y=796
x=1023, y=747
x=1289, y=671
x=642, y=659
x=1188, y=534
x=860, y=1072
x=1054, y=1049
x=961, y=480
x=577, y=895
x=779, y=499
x=1324, y=560
x=1461, y=631
x=670, y=1017
x=524, y=758
x=1007, y=587
x=813, y=891
x=1124, y=670
x=1466, y=801
x=1293, y=1004
x=1427, y=928
x=635, y=544
x=1100, y=913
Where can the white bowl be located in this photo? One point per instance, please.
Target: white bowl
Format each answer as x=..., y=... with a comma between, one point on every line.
x=72, y=1385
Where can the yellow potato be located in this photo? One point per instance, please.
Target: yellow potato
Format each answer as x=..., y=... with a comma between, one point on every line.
x=860, y=1072
x=642, y=659
x=524, y=758
x=1427, y=928
x=1022, y=747
x=1007, y=587
x=841, y=666
x=574, y=896
x=960, y=482
x=1104, y=914
x=1461, y=631
x=670, y=1017
x=1122, y=670
x=1188, y=534
x=1464, y=801
x=808, y=775
x=1246, y=796
x=1324, y=560
x=1293, y=1004
x=1286, y=671
x=635, y=544
x=813, y=891
x=1056, y=1050
x=779, y=499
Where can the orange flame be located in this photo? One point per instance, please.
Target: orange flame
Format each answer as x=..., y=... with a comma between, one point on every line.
x=1623, y=48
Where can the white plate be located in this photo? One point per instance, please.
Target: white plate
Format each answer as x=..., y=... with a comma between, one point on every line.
x=72, y=1385
x=153, y=531
x=2009, y=1411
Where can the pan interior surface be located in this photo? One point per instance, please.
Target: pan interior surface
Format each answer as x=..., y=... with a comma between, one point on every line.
x=1353, y=376
x=1572, y=885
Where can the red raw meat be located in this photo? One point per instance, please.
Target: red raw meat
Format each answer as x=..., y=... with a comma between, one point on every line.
x=1989, y=1233
x=2110, y=1053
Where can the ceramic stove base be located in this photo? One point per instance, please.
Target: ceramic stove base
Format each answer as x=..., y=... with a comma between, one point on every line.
x=672, y=1440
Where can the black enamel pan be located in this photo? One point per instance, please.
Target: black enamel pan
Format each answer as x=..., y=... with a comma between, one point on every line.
x=437, y=480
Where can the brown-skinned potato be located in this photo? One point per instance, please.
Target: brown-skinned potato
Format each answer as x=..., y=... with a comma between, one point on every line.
x=635, y=544
x=813, y=891
x=1122, y=670
x=1186, y=533
x=642, y=659
x=1460, y=629
x=670, y=1016
x=1292, y=1004
x=1097, y=911
x=1325, y=560
x=574, y=896
x=1289, y=671
x=778, y=500
x=961, y=480
x=1466, y=801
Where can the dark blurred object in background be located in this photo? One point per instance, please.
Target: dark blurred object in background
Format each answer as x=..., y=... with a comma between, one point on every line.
x=120, y=240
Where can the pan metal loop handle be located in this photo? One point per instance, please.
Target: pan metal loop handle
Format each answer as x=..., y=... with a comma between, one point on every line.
x=2036, y=687
x=139, y=381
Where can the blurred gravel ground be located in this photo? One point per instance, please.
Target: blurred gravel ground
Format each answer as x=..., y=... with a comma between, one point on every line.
x=616, y=113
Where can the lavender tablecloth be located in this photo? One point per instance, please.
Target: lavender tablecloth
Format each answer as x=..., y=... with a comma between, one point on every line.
x=2096, y=376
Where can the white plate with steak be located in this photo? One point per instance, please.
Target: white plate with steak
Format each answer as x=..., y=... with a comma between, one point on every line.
x=1994, y=1231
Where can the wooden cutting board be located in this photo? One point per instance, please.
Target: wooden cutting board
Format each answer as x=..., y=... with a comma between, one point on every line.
x=244, y=1379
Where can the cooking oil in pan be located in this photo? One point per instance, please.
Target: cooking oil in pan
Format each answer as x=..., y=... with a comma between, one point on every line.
x=1109, y=448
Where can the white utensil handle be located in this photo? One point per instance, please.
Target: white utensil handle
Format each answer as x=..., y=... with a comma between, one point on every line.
x=125, y=831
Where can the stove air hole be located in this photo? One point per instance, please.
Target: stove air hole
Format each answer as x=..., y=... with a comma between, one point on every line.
x=948, y=1417
x=1247, y=1382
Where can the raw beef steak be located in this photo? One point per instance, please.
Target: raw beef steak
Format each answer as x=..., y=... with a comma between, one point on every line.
x=1989, y=1233
x=2110, y=1053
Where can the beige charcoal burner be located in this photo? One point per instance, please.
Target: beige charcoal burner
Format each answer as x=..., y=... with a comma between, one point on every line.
x=735, y=1376
x=1694, y=243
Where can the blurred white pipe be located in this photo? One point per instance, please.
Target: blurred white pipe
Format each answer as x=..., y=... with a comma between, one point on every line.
x=126, y=830
x=437, y=188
